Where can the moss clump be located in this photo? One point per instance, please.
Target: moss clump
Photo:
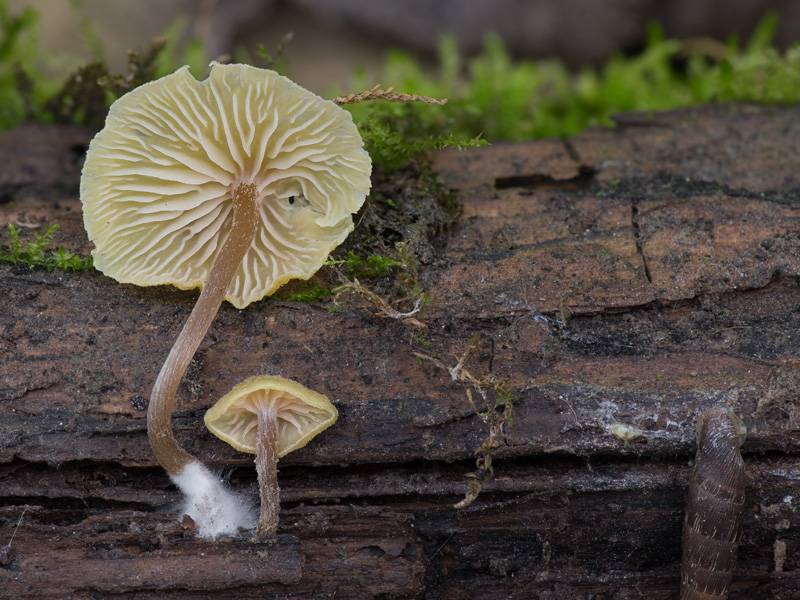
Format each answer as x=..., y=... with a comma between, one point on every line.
x=391, y=148
x=497, y=97
x=491, y=95
x=302, y=291
x=28, y=93
x=87, y=94
x=36, y=252
x=410, y=206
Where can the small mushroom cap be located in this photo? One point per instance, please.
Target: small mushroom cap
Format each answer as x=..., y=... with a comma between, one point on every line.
x=302, y=413
x=158, y=179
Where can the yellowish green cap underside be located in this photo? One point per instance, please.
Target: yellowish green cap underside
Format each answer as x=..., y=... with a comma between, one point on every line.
x=158, y=179
x=302, y=413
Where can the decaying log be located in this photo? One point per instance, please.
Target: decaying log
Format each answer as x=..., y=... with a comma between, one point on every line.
x=637, y=275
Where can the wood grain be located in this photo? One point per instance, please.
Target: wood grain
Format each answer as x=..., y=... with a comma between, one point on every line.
x=637, y=275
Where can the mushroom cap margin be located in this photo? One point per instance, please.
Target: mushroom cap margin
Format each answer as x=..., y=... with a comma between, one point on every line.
x=173, y=149
x=220, y=418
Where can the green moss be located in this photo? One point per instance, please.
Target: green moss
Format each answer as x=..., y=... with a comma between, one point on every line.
x=28, y=93
x=496, y=97
x=391, y=148
x=360, y=267
x=303, y=291
x=36, y=252
x=23, y=86
x=492, y=96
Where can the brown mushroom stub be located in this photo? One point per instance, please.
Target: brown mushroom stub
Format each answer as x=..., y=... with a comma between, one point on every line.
x=269, y=417
x=235, y=184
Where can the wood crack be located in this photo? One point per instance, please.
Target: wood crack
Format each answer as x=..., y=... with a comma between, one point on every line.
x=637, y=240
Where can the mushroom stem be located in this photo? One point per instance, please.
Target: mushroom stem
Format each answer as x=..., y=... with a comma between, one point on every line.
x=166, y=448
x=267, y=469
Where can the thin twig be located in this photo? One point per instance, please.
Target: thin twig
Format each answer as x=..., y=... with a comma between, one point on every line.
x=386, y=308
x=484, y=471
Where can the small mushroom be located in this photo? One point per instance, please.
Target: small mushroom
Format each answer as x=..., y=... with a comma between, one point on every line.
x=269, y=417
x=235, y=185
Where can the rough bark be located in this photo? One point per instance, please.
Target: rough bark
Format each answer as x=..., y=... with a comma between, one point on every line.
x=636, y=275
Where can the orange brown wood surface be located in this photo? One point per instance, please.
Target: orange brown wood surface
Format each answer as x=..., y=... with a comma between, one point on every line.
x=633, y=275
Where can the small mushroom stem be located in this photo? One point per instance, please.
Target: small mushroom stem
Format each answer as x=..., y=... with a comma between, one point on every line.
x=166, y=448
x=267, y=469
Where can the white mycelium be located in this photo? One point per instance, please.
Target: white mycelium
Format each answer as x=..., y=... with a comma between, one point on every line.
x=215, y=510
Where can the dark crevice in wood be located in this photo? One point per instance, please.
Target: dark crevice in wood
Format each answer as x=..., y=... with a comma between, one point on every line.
x=541, y=181
x=571, y=151
x=637, y=238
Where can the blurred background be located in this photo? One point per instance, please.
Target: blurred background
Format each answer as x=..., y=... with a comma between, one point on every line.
x=331, y=39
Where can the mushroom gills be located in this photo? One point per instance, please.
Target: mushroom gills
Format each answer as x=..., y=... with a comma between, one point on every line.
x=292, y=419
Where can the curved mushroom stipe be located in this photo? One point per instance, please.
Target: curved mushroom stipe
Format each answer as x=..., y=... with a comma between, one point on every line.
x=214, y=509
x=169, y=453
x=712, y=526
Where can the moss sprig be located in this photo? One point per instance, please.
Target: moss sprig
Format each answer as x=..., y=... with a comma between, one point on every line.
x=391, y=147
x=405, y=295
x=496, y=410
x=377, y=93
x=36, y=252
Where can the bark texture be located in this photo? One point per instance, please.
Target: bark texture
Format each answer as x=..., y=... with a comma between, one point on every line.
x=639, y=275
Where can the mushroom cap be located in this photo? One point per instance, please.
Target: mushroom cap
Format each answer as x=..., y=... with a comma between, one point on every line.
x=302, y=413
x=158, y=179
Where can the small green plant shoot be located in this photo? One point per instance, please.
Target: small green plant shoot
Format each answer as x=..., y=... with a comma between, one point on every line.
x=37, y=252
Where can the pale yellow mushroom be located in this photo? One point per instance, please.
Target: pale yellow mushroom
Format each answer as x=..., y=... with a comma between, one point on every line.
x=269, y=417
x=235, y=184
